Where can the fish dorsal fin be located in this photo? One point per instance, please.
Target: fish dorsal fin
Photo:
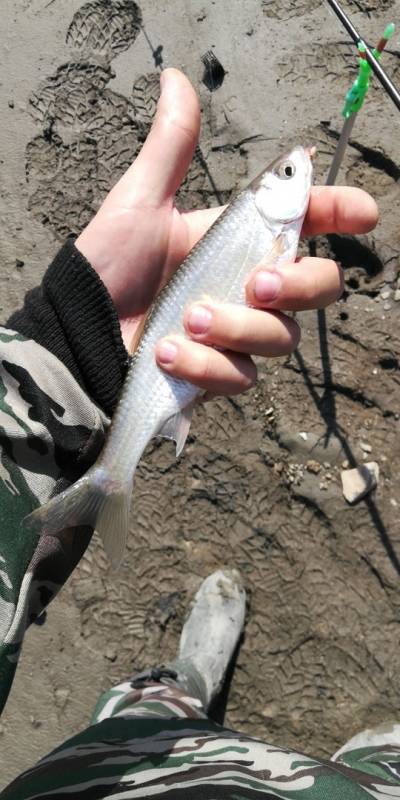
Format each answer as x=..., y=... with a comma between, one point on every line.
x=138, y=334
x=177, y=427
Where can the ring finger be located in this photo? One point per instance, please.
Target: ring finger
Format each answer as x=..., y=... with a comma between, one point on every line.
x=242, y=329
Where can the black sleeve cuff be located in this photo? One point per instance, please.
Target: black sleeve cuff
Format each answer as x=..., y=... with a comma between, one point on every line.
x=72, y=315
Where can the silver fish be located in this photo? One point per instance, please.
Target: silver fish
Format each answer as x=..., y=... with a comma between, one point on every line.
x=265, y=219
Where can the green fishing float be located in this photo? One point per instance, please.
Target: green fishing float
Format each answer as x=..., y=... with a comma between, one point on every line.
x=355, y=98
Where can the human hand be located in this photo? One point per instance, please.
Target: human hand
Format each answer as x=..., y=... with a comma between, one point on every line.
x=138, y=239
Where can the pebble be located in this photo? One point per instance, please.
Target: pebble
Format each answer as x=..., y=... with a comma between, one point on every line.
x=303, y=435
x=270, y=711
x=356, y=483
x=313, y=466
x=385, y=294
x=397, y=295
x=61, y=697
x=366, y=447
x=111, y=653
x=393, y=502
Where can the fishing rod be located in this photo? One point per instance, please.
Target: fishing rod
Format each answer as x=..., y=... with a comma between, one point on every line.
x=354, y=100
x=380, y=73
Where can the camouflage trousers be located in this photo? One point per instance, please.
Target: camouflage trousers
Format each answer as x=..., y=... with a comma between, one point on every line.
x=156, y=741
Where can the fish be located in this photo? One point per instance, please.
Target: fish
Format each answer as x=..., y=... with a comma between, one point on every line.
x=263, y=222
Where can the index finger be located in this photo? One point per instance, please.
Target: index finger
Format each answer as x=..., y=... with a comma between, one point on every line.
x=339, y=209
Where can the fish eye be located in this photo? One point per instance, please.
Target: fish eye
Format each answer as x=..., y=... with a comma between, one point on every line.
x=285, y=170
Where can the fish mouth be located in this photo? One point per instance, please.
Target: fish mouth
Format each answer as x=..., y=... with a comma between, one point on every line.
x=311, y=151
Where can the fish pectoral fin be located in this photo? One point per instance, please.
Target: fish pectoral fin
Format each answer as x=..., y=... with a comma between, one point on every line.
x=276, y=251
x=177, y=427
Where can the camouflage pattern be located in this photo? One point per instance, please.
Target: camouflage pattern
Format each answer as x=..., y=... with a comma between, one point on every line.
x=157, y=742
x=146, y=740
x=46, y=443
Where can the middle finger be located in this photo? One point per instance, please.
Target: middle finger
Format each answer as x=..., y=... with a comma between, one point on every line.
x=241, y=329
x=304, y=285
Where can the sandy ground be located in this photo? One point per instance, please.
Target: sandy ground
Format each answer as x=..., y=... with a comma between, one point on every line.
x=258, y=485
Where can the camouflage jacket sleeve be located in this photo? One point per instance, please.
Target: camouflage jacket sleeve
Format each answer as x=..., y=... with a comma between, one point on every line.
x=62, y=364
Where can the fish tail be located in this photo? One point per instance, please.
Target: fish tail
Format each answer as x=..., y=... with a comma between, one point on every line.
x=96, y=500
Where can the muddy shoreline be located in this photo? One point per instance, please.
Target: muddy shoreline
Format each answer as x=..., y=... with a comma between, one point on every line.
x=258, y=486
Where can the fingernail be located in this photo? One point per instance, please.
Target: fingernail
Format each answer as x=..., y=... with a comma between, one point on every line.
x=166, y=352
x=267, y=285
x=199, y=319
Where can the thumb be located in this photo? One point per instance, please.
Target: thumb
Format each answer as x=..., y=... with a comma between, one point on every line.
x=164, y=159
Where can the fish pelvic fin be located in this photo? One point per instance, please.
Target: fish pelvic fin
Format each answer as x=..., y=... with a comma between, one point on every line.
x=95, y=500
x=177, y=427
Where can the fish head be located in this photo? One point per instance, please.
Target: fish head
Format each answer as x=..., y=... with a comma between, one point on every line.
x=282, y=191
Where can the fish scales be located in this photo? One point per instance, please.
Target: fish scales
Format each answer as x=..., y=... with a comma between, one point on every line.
x=216, y=268
x=263, y=222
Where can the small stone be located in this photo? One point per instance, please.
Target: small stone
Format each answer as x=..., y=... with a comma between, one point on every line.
x=387, y=306
x=345, y=464
x=11, y=103
x=393, y=502
x=385, y=294
x=323, y=486
x=313, y=466
x=270, y=711
x=111, y=653
x=61, y=697
x=356, y=483
x=303, y=435
x=278, y=467
x=19, y=264
x=366, y=447
x=397, y=295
